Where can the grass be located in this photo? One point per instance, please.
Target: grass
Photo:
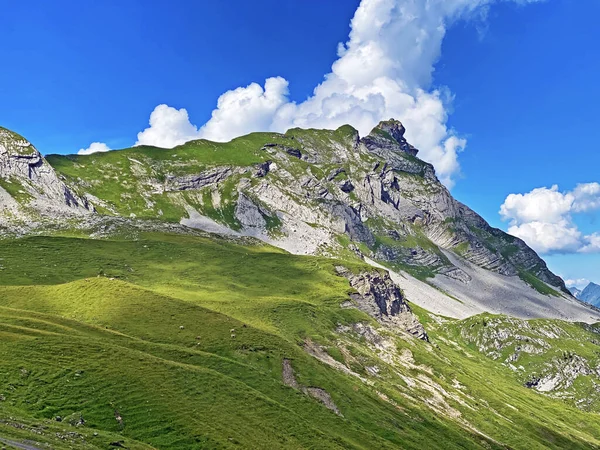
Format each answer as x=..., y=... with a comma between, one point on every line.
x=323, y=140
x=126, y=179
x=8, y=138
x=143, y=328
x=540, y=347
x=16, y=190
x=537, y=284
x=462, y=248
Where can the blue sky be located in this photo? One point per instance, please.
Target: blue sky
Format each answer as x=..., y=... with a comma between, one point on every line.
x=518, y=85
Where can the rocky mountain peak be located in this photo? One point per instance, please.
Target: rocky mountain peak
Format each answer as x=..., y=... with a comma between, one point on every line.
x=389, y=135
x=591, y=294
x=13, y=144
x=393, y=127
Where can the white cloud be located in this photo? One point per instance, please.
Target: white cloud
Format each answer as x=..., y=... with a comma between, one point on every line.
x=168, y=127
x=544, y=237
x=543, y=218
x=541, y=204
x=246, y=109
x=384, y=70
x=95, y=147
x=579, y=283
x=238, y=112
x=587, y=197
x=592, y=244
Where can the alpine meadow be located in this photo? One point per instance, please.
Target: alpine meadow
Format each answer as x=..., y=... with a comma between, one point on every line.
x=305, y=279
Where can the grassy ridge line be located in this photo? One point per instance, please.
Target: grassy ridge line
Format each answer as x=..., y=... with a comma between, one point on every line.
x=126, y=179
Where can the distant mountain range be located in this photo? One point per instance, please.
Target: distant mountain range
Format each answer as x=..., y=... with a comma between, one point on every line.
x=591, y=294
x=576, y=292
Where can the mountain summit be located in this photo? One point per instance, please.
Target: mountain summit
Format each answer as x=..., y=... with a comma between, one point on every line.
x=389, y=134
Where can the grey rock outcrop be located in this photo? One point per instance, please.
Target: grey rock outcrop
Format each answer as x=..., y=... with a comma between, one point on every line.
x=377, y=295
x=30, y=187
x=388, y=135
x=198, y=181
x=248, y=213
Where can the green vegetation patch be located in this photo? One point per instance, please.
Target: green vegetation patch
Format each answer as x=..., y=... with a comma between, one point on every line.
x=462, y=248
x=537, y=284
x=16, y=190
x=178, y=341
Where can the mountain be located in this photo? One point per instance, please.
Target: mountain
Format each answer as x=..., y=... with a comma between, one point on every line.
x=312, y=289
x=591, y=294
x=576, y=292
x=320, y=192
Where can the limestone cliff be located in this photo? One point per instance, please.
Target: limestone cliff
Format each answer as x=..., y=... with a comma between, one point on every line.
x=29, y=187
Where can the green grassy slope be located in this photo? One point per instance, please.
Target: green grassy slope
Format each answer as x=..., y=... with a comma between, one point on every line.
x=141, y=330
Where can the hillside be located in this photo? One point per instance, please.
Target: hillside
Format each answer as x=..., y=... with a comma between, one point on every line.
x=312, y=289
x=176, y=341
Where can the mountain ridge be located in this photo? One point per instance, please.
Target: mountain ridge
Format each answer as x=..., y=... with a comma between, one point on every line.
x=576, y=292
x=319, y=192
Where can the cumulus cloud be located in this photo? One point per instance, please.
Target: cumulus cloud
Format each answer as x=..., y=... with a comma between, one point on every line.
x=246, y=109
x=587, y=197
x=168, y=127
x=544, y=218
x=384, y=70
x=95, y=147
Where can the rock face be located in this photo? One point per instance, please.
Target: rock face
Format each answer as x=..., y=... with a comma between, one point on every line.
x=388, y=135
x=377, y=295
x=198, y=181
x=29, y=186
